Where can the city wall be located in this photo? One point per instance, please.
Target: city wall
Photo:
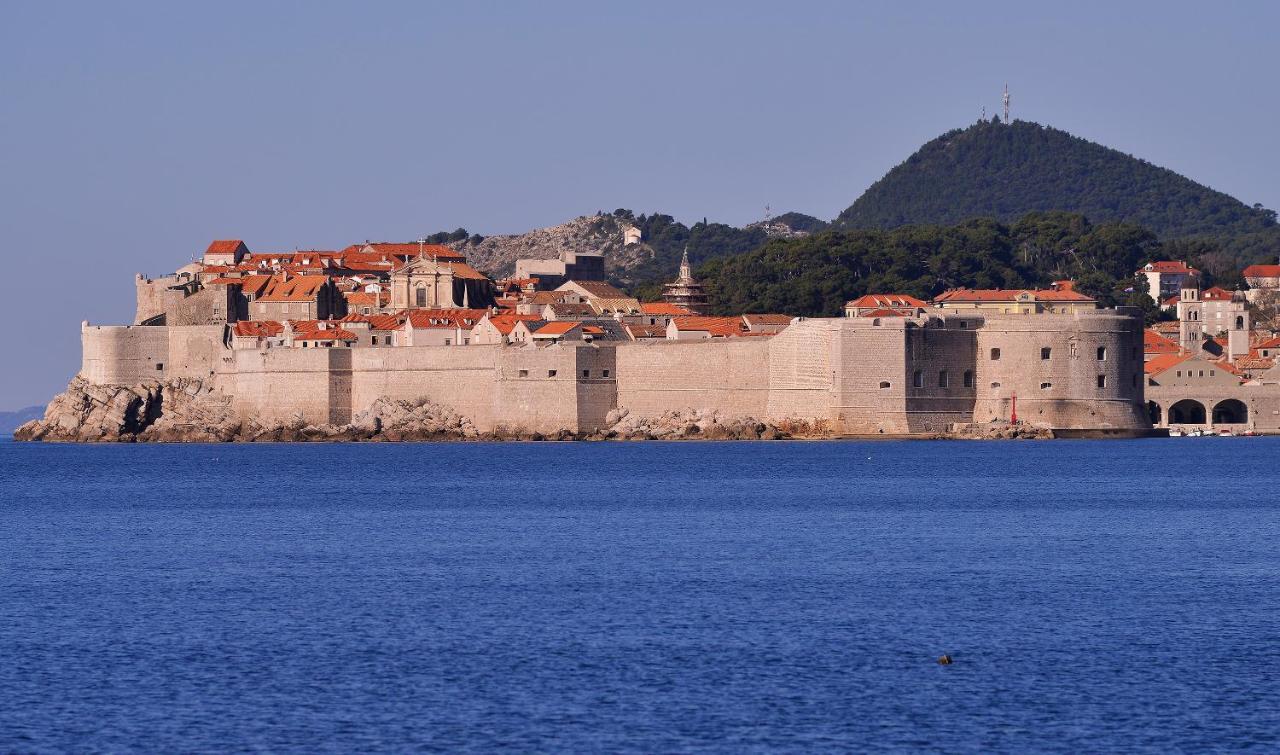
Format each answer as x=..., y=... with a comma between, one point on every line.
x=861, y=376
x=731, y=376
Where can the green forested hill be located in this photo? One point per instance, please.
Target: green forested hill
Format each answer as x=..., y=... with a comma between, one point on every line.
x=817, y=274
x=1005, y=171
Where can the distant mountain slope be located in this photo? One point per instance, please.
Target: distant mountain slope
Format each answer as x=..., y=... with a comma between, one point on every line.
x=10, y=421
x=1005, y=171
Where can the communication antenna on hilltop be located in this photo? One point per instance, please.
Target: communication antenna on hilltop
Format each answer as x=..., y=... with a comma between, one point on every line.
x=768, y=213
x=984, y=112
x=1006, y=103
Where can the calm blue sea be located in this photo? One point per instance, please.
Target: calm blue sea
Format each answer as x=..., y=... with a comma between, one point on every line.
x=1095, y=595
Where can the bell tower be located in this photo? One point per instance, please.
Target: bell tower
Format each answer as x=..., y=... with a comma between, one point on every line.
x=1190, y=312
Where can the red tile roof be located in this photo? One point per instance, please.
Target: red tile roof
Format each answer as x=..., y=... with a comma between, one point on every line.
x=258, y=328
x=224, y=246
x=1154, y=343
x=386, y=322
x=558, y=328
x=715, y=326
x=366, y=299
x=299, y=288
x=507, y=321
x=638, y=332
x=1165, y=361
x=769, y=319
x=662, y=308
x=1215, y=294
x=1010, y=295
x=445, y=318
x=1168, y=266
x=1262, y=271
x=1255, y=363
x=885, y=301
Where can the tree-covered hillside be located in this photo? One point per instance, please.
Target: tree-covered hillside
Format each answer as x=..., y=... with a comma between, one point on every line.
x=1005, y=171
x=816, y=275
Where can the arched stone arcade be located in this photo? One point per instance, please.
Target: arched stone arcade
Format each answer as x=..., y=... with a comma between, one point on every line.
x=1230, y=412
x=1187, y=412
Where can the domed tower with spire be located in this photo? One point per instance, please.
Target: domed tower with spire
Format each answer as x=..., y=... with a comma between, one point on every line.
x=684, y=291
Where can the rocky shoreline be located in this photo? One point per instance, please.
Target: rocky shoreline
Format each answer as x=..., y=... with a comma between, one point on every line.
x=188, y=411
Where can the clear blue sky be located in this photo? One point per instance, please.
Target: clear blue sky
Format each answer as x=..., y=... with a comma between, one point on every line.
x=133, y=133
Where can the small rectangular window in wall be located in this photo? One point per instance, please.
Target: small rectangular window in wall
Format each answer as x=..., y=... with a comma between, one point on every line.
x=524, y=373
x=968, y=379
x=1102, y=381
x=1045, y=352
x=586, y=373
x=551, y=373
x=995, y=354
x=942, y=379
x=1102, y=353
x=604, y=373
x=917, y=379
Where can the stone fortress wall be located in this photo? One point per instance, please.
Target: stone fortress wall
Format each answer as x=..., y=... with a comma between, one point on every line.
x=860, y=376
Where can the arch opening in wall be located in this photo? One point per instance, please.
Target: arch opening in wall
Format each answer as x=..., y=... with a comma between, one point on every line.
x=1187, y=412
x=1239, y=322
x=1154, y=412
x=1230, y=412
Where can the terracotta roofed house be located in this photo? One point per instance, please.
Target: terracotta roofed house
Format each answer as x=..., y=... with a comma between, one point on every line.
x=696, y=327
x=1263, y=276
x=1061, y=298
x=895, y=304
x=1165, y=277
x=225, y=252
x=304, y=297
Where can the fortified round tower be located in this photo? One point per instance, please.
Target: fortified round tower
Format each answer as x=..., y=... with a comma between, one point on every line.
x=1081, y=370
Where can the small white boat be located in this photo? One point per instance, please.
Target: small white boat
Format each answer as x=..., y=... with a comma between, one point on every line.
x=1196, y=433
x=1225, y=433
x=1175, y=432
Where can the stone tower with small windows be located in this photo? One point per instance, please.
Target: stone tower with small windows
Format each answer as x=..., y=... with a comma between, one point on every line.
x=1238, y=330
x=1190, y=327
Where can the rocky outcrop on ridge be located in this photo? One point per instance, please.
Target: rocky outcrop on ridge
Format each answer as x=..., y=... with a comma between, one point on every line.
x=590, y=234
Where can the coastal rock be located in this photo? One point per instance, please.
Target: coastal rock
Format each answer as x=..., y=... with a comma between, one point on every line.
x=189, y=410
x=687, y=424
x=998, y=430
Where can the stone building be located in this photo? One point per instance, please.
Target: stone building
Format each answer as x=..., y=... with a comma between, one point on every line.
x=1212, y=312
x=1061, y=298
x=228, y=253
x=1165, y=278
x=1263, y=277
x=299, y=297
x=551, y=273
x=433, y=283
